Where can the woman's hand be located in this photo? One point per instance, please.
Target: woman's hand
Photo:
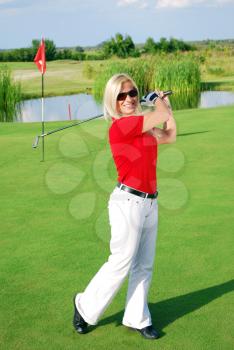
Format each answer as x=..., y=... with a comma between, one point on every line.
x=159, y=115
x=149, y=99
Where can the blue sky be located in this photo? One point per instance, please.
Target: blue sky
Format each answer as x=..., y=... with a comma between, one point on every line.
x=89, y=22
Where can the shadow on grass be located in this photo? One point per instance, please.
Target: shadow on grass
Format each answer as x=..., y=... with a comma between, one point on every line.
x=167, y=311
x=193, y=133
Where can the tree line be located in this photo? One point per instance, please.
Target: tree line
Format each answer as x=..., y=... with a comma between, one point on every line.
x=119, y=45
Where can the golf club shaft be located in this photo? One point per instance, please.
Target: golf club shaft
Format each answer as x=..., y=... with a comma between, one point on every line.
x=167, y=93
x=63, y=128
x=69, y=126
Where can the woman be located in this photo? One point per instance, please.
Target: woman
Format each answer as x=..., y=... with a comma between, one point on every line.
x=133, y=209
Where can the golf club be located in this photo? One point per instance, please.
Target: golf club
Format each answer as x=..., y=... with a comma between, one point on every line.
x=37, y=139
x=35, y=144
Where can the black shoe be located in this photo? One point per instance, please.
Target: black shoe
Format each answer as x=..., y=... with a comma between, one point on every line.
x=78, y=322
x=149, y=332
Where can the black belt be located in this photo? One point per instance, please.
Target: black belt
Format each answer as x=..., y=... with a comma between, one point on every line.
x=137, y=193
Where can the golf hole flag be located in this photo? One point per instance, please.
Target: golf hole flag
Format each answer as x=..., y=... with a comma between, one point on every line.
x=40, y=58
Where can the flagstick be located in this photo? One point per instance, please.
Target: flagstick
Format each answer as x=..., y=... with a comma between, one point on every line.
x=40, y=60
x=42, y=117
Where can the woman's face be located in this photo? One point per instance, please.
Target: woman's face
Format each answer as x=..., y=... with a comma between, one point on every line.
x=128, y=105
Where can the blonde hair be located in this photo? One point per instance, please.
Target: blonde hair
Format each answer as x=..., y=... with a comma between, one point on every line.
x=113, y=88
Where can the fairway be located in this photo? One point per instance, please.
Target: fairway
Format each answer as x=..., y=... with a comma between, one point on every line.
x=55, y=232
x=62, y=77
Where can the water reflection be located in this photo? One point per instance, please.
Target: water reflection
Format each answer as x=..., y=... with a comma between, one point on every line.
x=211, y=99
x=83, y=106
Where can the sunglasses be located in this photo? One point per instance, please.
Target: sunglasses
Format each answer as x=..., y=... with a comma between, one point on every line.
x=123, y=95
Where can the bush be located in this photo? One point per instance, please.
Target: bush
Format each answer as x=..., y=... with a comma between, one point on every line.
x=78, y=56
x=164, y=45
x=120, y=46
x=50, y=48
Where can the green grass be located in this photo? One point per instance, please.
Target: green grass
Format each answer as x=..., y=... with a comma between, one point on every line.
x=46, y=254
x=218, y=62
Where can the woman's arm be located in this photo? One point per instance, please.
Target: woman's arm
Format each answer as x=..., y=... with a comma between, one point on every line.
x=168, y=133
x=160, y=115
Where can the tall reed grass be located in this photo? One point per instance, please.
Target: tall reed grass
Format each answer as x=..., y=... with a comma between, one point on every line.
x=140, y=70
x=10, y=96
x=180, y=74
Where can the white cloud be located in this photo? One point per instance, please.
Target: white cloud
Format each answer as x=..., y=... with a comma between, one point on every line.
x=126, y=2
x=173, y=3
x=191, y=3
x=160, y=4
x=137, y=3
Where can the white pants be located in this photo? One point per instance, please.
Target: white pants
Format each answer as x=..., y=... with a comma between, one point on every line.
x=133, y=223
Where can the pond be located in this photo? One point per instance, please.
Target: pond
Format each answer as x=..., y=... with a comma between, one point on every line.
x=83, y=106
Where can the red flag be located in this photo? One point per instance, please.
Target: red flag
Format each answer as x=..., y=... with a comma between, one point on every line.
x=40, y=58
